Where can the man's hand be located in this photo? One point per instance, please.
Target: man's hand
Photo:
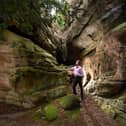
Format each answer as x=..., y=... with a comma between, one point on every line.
x=70, y=72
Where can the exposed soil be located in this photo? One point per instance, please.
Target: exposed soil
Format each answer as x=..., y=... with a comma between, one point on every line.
x=94, y=116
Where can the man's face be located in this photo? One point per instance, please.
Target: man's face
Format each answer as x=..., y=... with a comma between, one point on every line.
x=77, y=63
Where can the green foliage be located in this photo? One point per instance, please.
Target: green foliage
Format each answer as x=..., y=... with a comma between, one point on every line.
x=18, y=13
x=61, y=16
x=59, y=19
x=28, y=15
x=51, y=112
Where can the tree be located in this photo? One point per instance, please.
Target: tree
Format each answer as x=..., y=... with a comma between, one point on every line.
x=33, y=19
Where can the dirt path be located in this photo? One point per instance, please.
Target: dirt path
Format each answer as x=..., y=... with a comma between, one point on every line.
x=94, y=116
x=91, y=115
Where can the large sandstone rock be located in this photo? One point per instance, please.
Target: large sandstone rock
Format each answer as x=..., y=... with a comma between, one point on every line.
x=100, y=43
x=27, y=72
x=91, y=20
x=106, y=66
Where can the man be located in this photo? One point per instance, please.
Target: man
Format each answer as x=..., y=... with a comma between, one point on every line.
x=78, y=74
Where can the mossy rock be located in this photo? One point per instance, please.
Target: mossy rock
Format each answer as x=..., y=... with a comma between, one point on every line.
x=48, y=94
x=70, y=102
x=57, y=92
x=73, y=114
x=38, y=114
x=109, y=110
x=31, y=71
x=50, y=112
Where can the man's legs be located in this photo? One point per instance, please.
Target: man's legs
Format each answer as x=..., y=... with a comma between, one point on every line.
x=81, y=89
x=74, y=85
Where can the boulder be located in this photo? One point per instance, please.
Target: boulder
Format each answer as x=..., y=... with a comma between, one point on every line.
x=70, y=102
x=50, y=112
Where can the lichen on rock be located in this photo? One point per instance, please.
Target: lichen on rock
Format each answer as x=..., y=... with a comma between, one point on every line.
x=29, y=69
x=107, y=69
x=70, y=102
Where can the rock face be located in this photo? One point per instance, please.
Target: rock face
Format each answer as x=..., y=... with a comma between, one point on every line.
x=100, y=43
x=105, y=63
x=28, y=74
x=96, y=18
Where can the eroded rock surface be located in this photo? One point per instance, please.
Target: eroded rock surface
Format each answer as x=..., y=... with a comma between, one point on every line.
x=28, y=74
x=106, y=66
x=100, y=44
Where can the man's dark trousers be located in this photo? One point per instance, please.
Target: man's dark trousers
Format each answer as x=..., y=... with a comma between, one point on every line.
x=78, y=80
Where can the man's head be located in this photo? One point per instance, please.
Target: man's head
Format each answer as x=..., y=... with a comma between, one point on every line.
x=77, y=62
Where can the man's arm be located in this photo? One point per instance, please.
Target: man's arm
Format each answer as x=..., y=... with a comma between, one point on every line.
x=70, y=71
x=80, y=72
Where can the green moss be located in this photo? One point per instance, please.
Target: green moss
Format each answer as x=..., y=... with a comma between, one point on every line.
x=51, y=112
x=35, y=79
x=36, y=63
x=49, y=94
x=73, y=114
x=70, y=102
x=109, y=110
x=19, y=42
x=35, y=73
x=57, y=92
x=37, y=115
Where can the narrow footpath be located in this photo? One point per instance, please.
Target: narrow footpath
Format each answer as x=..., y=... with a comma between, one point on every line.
x=94, y=116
